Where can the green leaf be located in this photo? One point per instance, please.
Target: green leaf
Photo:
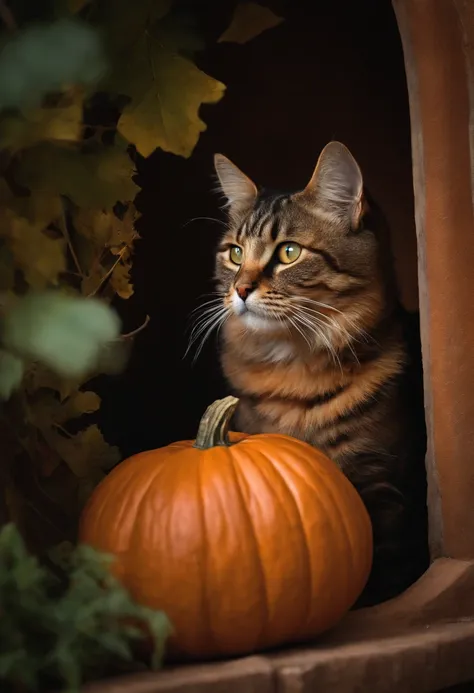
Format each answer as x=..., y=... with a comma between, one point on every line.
x=90, y=179
x=44, y=58
x=66, y=333
x=250, y=19
x=11, y=373
x=55, y=634
x=166, y=91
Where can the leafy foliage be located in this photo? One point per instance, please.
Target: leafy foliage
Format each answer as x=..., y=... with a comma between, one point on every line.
x=250, y=19
x=63, y=625
x=68, y=222
x=41, y=59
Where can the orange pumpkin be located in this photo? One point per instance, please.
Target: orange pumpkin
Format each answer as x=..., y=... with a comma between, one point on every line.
x=246, y=542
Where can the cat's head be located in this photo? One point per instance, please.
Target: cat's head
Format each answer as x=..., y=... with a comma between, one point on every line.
x=302, y=261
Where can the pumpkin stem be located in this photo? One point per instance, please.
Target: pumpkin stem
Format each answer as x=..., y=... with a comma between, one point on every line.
x=214, y=426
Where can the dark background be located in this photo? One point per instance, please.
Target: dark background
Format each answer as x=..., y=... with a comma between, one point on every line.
x=332, y=70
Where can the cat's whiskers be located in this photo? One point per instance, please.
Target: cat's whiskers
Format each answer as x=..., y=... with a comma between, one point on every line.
x=357, y=329
x=337, y=328
x=210, y=318
x=314, y=325
x=217, y=221
x=200, y=318
x=213, y=301
x=217, y=323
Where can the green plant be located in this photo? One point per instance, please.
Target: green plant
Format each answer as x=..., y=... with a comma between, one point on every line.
x=66, y=624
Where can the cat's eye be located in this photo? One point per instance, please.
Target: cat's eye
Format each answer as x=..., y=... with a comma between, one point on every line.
x=236, y=255
x=289, y=252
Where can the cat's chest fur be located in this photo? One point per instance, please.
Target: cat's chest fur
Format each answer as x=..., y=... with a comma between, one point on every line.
x=343, y=404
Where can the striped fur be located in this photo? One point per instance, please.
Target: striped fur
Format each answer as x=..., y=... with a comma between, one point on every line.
x=319, y=348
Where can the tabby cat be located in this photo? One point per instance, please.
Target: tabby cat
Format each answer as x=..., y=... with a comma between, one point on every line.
x=316, y=345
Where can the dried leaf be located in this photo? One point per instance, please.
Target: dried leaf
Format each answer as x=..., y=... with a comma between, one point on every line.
x=124, y=23
x=104, y=228
x=90, y=179
x=66, y=7
x=61, y=123
x=11, y=373
x=250, y=19
x=78, y=404
x=120, y=280
x=177, y=32
x=93, y=280
x=87, y=451
x=41, y=377
x=41, y=259
x=7, y=268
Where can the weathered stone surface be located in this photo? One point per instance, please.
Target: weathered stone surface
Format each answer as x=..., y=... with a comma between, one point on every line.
x=251, y=674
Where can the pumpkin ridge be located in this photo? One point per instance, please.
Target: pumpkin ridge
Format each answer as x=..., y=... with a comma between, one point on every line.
x=205, y=611
x=281, y=505
x=328, y=491
x=322, y=497
x=104, y=506
x=347, y=532
x=142, y=507
x=306, y=542
x=258, y=561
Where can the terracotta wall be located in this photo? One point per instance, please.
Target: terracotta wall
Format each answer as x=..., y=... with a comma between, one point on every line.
x=332, y=70
x=438, y=40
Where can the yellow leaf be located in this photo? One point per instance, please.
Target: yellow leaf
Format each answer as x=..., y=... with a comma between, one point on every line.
x=61, y=123
x=166, y=92
x=41, y=377
x=46, y=409
x=11, y=373
x=90, y=179
x=78, y=404
x=120, y=280
x=7, y=269
x=41, y=259
x=94, y=224
x=93, y=280
x=104, y=228
x=250, y=19
x=86, y=452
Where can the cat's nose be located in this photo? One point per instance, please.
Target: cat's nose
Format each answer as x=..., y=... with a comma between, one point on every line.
x=244, y=290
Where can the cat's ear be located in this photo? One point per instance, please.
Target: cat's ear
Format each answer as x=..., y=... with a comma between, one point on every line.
x=239, y=191
x=336, y=186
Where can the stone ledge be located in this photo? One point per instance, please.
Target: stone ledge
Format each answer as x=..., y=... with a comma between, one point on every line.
x=422, y=641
